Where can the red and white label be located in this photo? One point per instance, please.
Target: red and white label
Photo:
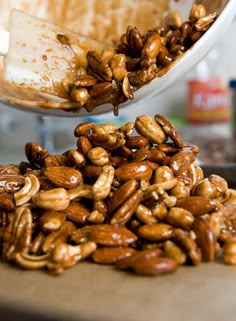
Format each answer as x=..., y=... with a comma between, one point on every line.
x=208, y=102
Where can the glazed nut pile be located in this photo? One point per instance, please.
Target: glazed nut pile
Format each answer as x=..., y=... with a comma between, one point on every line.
x=133, y=197
x=138, y=57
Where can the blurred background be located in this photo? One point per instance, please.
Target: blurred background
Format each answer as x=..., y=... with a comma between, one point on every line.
x=18, y=127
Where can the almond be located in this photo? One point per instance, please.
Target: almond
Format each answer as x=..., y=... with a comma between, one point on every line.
x=197, y=205
x=134, y=170
x=63, y=176
x=77, y=212
x=205, y=238
x=180, y=161
x=122, y=194
x=110, y=235
x=156, y=232
x=110, y=255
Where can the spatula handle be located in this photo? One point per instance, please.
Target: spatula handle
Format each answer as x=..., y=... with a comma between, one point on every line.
x=4, y=42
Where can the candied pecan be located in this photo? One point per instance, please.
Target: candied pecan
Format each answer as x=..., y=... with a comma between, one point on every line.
x=170, y=130
x=52, y=220
x=98, y=66
x=83, y=129
x=229, y=252
x=184, y=240
x=35, y=153
x=58, y=236
x=229, y=214
x=18, y=234
x=11, y=183
x=7, y=201
x=134, y=41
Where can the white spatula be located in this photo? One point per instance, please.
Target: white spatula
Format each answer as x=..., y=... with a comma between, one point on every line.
x=38, y=54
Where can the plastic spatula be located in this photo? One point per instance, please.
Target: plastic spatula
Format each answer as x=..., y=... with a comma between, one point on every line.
x=38, y=54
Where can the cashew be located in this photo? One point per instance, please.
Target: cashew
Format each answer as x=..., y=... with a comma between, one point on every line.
x=102, y=186
x=31, y=262
x=55, y=199
x=31, y=187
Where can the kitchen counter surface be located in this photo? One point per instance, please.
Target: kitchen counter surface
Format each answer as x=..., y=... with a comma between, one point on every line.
x=90, y=292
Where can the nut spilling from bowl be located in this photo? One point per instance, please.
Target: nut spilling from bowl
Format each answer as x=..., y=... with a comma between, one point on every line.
x=113, y=76
x=131, y=196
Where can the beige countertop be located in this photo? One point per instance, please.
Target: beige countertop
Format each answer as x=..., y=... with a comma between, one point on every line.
x=90, y=292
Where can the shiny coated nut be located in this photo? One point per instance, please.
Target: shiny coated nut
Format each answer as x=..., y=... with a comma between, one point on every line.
x=11, y=183
x=139, y=256
x=204, y=238
x=155, y=266
x=55, y=199
x=118, y=66
x=180, y=217
x=110, y=235
x=31, y=187
x=173, y=251
x=77, y=212
x=110, y=255
x=185, y=241
x=169, y=129
x=63, y=176
x=98, y=156
x=127, y=209
x=229, y=252
x=83, y=129
x=102, y=186
x=197, y=11
x=134, y=170
x=157, y=232
x=84, y=81
x=173, y=20
x=152, y=47
x=197, y=205
x=52, y=220
x=181, y=161
x=122, y=194
x=80, y=95
x=147, y=127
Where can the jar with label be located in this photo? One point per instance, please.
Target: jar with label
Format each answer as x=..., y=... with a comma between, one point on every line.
x=208, y=100
x=209, y=108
